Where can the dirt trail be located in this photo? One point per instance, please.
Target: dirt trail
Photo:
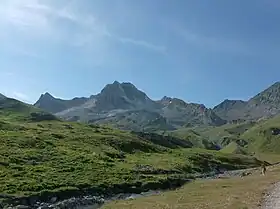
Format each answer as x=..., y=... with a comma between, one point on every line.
x=272, y=198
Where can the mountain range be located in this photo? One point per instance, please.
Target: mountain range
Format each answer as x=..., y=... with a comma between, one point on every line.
x=126, y=107
x=264, y=105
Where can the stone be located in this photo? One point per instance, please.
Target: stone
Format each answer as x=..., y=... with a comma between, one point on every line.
x=275, y=131
x=53, y=199
x=22, y=207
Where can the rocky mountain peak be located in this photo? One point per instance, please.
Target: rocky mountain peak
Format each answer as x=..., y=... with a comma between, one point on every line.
x=55, y=105
x=121, y=96
x=270, y=96
x=172, y=102
x=44, y=99
x=116, y=83
x=166, y=98
x=228, y=104
x=48, y=103
x=120, y=88
x=127, y=84
x=46, y=95
x=264, y=104
x=230, y=109
x=114, y=88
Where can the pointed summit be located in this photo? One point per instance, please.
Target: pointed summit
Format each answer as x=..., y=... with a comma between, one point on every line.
x=116, y=83
x=122, y=96
x=113, y=88
x=47, y=96
x=54, y=105
x=49, y=103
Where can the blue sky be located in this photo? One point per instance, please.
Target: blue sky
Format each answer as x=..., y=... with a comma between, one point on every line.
x=201, y=51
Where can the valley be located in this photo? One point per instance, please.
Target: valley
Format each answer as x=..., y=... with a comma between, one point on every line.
x=121, y=141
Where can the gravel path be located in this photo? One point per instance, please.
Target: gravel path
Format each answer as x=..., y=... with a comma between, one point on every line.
x=272, y=198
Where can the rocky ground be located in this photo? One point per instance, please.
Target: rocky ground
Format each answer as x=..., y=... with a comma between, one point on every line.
x=94, y=202
x=272, y=198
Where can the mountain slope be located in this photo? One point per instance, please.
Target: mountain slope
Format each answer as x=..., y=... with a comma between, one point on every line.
x=230, y=109
x=65, y=159
x=263, y=105
x=266, y=103
x=142, y=120
x=181, y=113
x=235, y=148
x=264, y=136
x=126, y=107
x=14, y=110
x=55, y=105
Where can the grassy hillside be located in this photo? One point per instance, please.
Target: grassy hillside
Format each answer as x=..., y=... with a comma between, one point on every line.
x=13, y=110
x=233, y=147
x=55, y=156
x=264, y=137
x=221, y=135
x=39, y=158
x=231, y=131
x=195, y=137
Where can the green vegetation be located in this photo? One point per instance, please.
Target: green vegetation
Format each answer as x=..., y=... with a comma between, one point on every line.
x=57, y=155
x=13, y=110
x=194, y=137
x=225, y=134
x=264, y=137
x=233, y=147
x=260, y=139
x=230, y=193
x=228, y=137
x=54, y=156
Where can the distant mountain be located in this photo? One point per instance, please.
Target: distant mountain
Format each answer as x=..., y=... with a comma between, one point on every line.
x=125, y=106
x=54, y=105
x=230, y=109
x=264, y=105
x=181, y=113
x=122, y=96
x=14, y=110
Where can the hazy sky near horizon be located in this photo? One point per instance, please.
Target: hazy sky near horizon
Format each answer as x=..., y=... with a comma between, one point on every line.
x=198, y=50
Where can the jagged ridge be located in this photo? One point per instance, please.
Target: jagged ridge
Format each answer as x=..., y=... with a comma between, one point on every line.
x=121, y=103
x=125, y=106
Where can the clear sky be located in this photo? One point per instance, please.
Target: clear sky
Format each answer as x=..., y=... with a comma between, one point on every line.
x=198, y=50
